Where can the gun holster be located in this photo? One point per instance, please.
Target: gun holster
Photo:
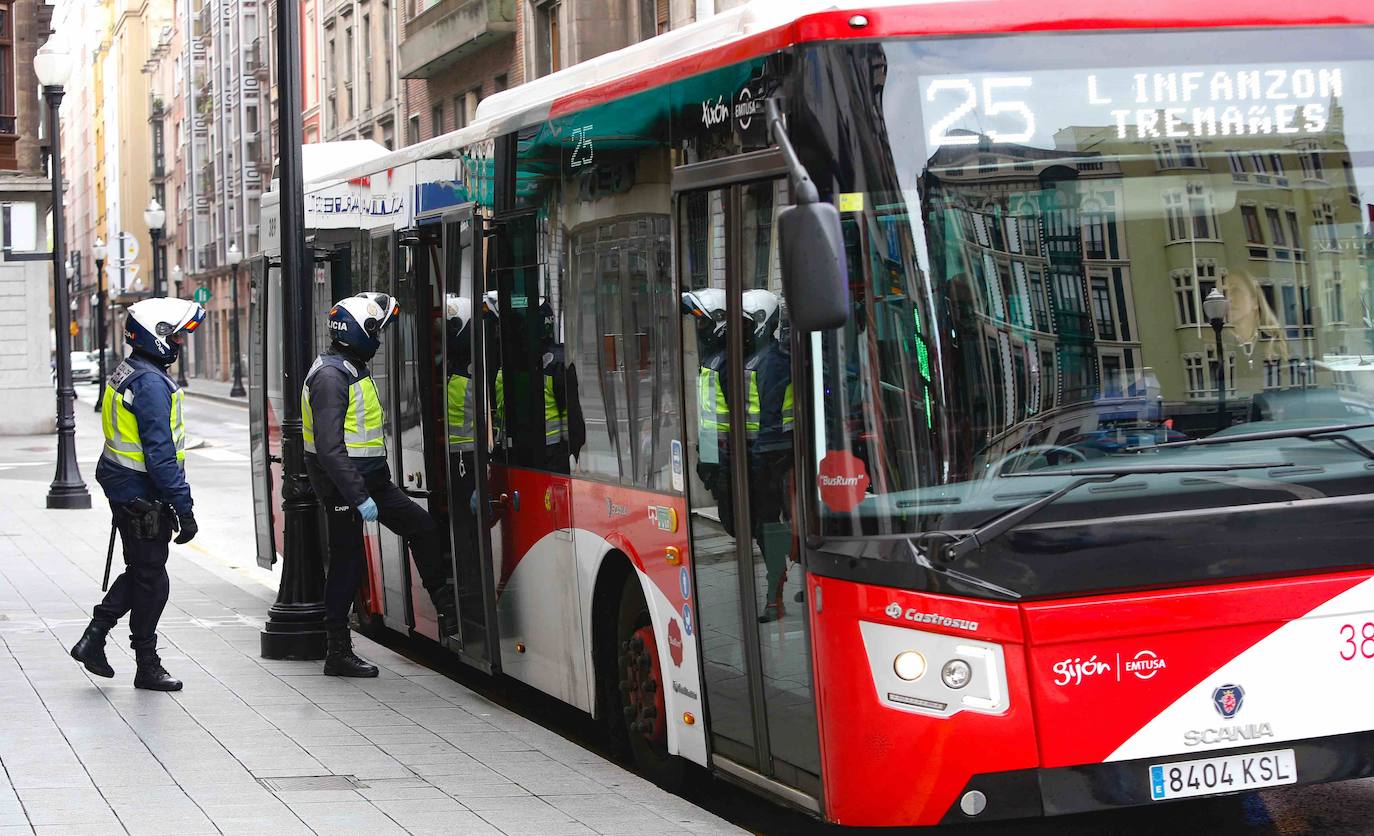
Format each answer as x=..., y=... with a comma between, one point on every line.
x=149, y=519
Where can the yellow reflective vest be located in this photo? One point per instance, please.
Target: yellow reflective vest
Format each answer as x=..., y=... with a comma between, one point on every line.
x=123, y=446
x=364, y=423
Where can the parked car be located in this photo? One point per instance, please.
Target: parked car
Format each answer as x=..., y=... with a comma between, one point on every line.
x=83, y=367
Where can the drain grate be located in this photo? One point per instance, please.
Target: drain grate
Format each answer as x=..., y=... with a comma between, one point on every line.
x=307, y=783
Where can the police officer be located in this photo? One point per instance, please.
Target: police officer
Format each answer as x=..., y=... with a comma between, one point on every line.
x=768, y=425
x=564, y=429
x=345, y=456
x=707, y=307
x=142, y=471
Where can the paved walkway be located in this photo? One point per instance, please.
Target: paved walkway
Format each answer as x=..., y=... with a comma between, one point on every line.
x=254, y=746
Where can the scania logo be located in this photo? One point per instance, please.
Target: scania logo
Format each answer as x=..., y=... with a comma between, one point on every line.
x=615, y=510
x=1227, y=700
x=894, y=610
x=714, y=113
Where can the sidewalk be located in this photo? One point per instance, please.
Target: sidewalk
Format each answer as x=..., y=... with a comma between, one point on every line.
x=215, y=390
x=254, y=746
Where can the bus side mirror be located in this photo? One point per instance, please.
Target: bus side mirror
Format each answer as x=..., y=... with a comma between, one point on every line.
x=814, y=275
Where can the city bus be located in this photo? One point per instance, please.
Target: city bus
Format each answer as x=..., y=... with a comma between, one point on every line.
x=1063, y=506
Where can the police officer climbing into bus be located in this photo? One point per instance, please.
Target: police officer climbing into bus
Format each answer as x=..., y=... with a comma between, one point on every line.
x=707, y=307
x=345, y=456
x=142, y=471
x=768, y=425
x=564, y=429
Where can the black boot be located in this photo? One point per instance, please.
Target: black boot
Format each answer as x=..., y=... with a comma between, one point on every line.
x=446, y=609
x=151, y=675
x=89, y=650
x=340, y=659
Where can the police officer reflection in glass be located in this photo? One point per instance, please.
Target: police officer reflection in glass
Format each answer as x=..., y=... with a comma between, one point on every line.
x=142, y=471
x=769, y=422
x=344, y=430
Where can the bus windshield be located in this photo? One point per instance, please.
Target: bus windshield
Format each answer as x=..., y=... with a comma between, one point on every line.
x=1074, y=249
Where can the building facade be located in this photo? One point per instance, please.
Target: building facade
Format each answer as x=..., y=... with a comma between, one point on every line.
x=361, y=90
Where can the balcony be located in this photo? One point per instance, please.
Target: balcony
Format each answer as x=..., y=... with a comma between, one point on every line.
x=450, y=30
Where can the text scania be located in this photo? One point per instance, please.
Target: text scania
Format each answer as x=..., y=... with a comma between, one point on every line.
x=1076, y=670
x=1227, y=734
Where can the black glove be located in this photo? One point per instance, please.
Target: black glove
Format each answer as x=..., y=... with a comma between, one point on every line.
x=189, y=528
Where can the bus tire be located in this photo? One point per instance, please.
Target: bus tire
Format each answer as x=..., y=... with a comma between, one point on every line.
x=638, y=718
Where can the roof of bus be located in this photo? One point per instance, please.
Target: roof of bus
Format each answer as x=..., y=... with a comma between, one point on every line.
x=764, y=26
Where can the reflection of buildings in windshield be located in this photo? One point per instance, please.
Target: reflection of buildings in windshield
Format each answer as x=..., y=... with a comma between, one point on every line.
x=1081, y=272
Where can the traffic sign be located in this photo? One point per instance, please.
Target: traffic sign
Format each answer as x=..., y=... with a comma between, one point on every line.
x=202, y=295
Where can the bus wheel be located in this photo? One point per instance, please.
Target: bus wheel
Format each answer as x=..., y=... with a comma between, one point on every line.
x=643, y=718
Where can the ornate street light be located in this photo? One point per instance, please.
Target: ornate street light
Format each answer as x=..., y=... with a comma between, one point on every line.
x=98, y=253
x=235, y=258
x=53, y=64
x=155, y=217
x=1216, y=307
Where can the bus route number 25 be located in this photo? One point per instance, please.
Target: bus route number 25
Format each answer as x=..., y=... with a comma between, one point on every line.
x=1357, y=641
x=992, y=104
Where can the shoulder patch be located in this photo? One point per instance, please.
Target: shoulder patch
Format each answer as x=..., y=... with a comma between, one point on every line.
x=121, y=374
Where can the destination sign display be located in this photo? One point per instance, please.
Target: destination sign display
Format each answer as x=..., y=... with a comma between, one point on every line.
x=1137, y=103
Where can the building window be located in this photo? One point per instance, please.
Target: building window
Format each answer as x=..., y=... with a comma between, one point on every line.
x=348, y=73
x=1197, y=375
x=1200, y=207
x=436, y=116
x=1111, y=376
x=1173, y=210
x=1275, y=227
x=1164, y=155
x=548, y=43
x=1310, y=157
x=1185, y=297
x=1273, y=374
x=1094, y=230
x=1102, y=309
x=500, y=83
x=1324, y=218
x=389, y=136
x=386, y=47
x=367, y=63
x=1237, y=163
x=8, y=119
x=1335, y=303
x=1253, y=232
x=413, y=135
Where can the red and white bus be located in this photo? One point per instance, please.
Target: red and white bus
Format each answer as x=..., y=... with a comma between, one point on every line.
x=1072, y=512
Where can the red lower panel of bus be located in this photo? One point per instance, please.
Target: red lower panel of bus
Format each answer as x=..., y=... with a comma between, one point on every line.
x=1114, y=679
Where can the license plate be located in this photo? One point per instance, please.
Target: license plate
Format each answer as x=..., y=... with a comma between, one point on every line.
x=1232, y=773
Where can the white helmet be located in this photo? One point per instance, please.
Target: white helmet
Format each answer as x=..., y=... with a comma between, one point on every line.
x=458, y=311
x=708, y=304
x=761, y=312
x=152, y=325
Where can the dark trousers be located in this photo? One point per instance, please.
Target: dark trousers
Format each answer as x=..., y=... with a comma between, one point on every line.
x=141, y=589
x=344, y=536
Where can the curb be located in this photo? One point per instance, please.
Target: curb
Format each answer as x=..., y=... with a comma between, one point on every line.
x=242, y=403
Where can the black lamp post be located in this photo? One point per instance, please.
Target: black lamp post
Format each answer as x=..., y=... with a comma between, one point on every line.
x=98, y=251
x=184, y=358
x=295, y=623
x=235, y=258
x=52, y=64
x=154, y=217
x=1216, y=307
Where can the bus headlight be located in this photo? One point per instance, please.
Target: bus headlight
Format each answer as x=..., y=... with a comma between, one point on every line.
x=909, y=665
x=956, y=674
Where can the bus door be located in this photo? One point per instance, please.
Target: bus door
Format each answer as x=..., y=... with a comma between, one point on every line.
x=418, y=393
x=751, y=616
x=467, y=363
x=528, y=483
x=265, y=403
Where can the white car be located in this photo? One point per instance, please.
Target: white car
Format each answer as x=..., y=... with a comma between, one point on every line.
x=84, y=368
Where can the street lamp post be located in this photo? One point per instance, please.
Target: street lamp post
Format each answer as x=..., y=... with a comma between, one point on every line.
x=155, y=217
x=52, y=64
x=98, y=251
x=184, y=358
x=295, y=623
x=1216, y=307
x=235, y=258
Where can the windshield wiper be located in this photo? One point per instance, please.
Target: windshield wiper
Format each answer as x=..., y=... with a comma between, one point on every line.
x=1335, y=432
x=947, y=547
